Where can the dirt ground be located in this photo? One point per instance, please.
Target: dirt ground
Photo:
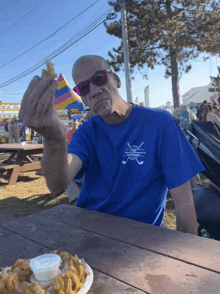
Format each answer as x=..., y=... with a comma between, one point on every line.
x=31, y=195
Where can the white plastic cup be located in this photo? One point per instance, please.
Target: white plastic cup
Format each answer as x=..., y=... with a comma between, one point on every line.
x=45, y=267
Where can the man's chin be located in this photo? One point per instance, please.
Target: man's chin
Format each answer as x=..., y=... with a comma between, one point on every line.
x=104, y=111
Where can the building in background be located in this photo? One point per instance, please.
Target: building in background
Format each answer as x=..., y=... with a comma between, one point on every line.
x=198, y=94
x=146, y=97
x=9, y=110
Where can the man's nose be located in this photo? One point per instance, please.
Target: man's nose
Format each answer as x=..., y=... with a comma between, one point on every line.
x=94, y=90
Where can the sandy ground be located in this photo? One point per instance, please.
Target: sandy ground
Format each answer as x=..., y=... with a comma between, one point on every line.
x=31, y=195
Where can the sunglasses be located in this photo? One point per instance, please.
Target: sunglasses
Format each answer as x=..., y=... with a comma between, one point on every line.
x=100, y=78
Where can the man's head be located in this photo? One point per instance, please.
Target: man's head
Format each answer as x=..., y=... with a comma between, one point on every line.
x=100, y=93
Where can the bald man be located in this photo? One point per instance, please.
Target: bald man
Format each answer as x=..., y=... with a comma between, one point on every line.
x=131, y=155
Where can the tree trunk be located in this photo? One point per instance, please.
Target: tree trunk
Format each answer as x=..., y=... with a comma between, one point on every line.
x=175, y=79
x=174, y=65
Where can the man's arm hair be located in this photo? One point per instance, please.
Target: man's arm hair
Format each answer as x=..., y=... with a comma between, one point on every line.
x=185, y=209
x=59, y=168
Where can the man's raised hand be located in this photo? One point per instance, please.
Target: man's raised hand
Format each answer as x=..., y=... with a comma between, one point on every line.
x=38, y=111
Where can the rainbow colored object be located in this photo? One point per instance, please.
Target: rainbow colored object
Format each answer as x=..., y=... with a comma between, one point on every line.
x=65, y=97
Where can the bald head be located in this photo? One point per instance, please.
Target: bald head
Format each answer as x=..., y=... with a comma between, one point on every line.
x=86, y=59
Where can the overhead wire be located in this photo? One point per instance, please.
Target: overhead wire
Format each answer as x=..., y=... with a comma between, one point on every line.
x=59, y=50
x=53, y=34
x=21, y=18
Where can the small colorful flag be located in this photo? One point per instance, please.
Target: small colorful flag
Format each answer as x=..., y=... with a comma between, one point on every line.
x=65, y=97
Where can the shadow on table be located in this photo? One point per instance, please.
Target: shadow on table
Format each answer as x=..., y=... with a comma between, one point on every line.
x=17, y=207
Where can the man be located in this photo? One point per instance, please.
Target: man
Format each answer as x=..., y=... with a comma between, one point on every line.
x=13, y=131
x=131, y=155
x=202, y=109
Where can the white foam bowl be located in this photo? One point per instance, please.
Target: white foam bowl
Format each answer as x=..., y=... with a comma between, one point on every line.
x=86, y=285
x=45, y=267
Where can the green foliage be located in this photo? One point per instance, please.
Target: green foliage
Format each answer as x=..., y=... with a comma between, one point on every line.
x=166, y=32
x=156, y=26
x=215, y=83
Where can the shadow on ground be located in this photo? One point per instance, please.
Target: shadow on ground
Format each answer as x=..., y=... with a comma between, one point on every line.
x=31, y=204
x=4, y=179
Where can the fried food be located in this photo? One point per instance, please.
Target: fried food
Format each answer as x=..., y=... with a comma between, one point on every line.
x=70, y=281
x=50, y=72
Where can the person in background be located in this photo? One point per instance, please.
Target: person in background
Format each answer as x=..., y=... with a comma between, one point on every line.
x=217, y=112
x=13, y=131
x=32, y=135
x=192, y=116
x=197, y=112
x=215, y=109
x=73, y=126
x=202, y=109
x=210, y=116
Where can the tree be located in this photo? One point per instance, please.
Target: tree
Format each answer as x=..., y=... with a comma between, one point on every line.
x=166, y=32
x=215, y=83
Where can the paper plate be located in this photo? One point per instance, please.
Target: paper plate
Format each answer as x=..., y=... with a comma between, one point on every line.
x=87, y=283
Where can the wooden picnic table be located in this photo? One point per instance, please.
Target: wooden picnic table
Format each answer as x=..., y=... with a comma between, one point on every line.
x=126, y=256
x=20, y=159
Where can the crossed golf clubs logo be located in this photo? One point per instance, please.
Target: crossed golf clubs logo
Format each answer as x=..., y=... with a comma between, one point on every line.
x=133, y=154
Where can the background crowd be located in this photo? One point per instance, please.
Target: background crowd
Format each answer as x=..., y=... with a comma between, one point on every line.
x=208, y=111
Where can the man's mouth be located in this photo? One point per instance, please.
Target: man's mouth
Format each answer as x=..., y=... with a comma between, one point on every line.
x=99, y=102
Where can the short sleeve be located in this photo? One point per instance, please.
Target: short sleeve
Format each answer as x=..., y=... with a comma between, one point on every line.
x=79, y=145
x=178, y=160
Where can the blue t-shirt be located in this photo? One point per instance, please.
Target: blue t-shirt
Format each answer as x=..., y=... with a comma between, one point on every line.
x=131, y=166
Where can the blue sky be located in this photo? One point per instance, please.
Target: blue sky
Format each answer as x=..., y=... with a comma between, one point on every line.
x=25, y=23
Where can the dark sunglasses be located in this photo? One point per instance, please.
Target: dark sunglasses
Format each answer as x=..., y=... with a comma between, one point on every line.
x=100, y=78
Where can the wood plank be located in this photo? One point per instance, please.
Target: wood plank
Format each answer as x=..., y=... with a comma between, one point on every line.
x=30, y=167
x=18, y=146
x=171, y=243
x=5, y=166
x=148, y=271
x=14, y=176
x=103, y=284
x=14, y=247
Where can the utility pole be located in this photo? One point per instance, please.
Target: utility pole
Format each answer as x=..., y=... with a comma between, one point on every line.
x=120, y=5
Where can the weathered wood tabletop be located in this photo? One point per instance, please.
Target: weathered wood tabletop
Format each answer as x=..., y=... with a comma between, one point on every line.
x=126, y=256
x=20, y=159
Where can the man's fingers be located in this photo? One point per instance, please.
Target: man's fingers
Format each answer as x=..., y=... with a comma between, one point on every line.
x=39, y=89
x=46, y=101
x=26, y=95
x=33, y=98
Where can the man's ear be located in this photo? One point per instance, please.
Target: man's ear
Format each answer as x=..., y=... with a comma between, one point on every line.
x=118, y=80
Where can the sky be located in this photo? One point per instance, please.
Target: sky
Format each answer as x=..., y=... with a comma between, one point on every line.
x=25, y=23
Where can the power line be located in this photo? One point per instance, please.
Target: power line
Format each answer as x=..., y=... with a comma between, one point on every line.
x=58, y=51
x=47, y=38
x=21, y=18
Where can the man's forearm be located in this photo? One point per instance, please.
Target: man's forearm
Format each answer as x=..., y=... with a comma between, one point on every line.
x=54, y=165
x=187, y=222
x=185, y=210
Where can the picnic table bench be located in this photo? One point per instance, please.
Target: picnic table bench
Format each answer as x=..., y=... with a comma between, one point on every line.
x=7, y=168
x=38, y=156
x=19, y=160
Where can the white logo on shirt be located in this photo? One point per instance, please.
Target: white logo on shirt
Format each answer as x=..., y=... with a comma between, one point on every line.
x=133, y=153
